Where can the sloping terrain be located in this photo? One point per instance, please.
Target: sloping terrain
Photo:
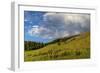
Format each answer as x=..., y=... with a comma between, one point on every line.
x=73, y=47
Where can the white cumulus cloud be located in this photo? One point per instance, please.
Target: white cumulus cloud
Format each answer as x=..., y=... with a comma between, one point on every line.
x=56, y=25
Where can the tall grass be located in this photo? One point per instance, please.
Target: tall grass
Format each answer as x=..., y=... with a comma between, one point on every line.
x=79, y=48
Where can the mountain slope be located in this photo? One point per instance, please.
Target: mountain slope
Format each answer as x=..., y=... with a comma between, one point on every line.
x=76, y=47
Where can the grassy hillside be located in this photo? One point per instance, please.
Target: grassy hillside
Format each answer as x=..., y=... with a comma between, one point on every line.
x=74, y=47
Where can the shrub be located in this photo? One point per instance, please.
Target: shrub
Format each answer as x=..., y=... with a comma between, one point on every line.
x=77, y=53
x=59, y=43
x=64, y=53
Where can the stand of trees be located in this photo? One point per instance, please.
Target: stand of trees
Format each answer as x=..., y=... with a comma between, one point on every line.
x=30, y=45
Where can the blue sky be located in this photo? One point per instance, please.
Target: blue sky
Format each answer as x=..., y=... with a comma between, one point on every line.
x=46, y=26
x=32, y=18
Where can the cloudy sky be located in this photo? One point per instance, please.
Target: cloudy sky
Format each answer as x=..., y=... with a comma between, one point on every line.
x=46, y=26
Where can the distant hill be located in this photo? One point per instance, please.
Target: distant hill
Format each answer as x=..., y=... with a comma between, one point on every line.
x=73, y=47
x=62, y=39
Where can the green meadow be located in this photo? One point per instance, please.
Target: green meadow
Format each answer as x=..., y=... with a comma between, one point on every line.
x=73, y=47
